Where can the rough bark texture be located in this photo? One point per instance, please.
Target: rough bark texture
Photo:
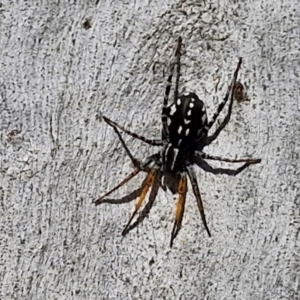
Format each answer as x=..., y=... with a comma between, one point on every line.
x=61, y=65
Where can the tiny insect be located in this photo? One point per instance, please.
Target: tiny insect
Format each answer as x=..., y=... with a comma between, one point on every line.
x=86, y=24
x=14, y=136
x=184, y=135
x=239, y=92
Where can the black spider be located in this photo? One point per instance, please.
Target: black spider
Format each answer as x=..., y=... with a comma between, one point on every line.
x=184, y=135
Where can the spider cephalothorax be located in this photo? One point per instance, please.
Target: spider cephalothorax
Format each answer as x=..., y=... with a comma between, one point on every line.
x=184, y=135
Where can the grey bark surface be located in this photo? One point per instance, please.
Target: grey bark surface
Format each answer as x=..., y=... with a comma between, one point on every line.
x=57, y=75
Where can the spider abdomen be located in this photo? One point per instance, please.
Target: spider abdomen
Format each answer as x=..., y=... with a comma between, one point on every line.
x=187, y=125
x=187, y=121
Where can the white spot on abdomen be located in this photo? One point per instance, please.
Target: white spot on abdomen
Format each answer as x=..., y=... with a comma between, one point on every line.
x=199, y=131
x=173, y=110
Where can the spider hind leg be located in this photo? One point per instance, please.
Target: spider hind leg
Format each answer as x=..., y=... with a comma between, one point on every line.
x=182, y=191
x=150, y=179
x=128, y=178
x=197, y=194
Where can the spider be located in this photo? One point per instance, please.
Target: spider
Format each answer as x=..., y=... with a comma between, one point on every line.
x=184, y=135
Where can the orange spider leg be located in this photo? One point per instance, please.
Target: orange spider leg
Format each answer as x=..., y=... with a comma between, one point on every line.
x=149, y=182
x=130, y=176
x=182, y=191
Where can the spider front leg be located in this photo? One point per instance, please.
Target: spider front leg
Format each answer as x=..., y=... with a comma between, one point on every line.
x=164, y=118
x=230, y=91
x=134, y=161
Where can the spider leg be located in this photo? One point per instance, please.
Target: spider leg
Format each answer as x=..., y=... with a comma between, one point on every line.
x=165, y=130
x=139, y=137
x=182, y=191
x=230, y=91
x=128, y=198
x=143, y=166
x=139, y=166
x=137, y=169
x=177, y=57
x=129, y=177
x=196, y=191
x=135, y=162
x=198, y=160
x=250, y=161
x=216, y=171
x=149, y=182
x=148, y=206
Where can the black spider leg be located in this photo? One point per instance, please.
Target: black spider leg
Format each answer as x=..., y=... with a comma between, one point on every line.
x=193, y=180
x=148, y=206
x=165, y=129
x=139, y=166
x=177, y=56
x=182, y=191
x=230, y=91
x=250, y=161
x=198, y=160
x=135, y=161
x=152, y=142
x=144, y=166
